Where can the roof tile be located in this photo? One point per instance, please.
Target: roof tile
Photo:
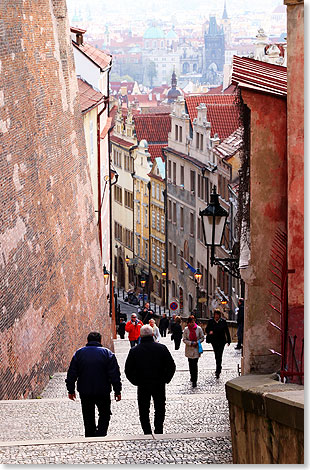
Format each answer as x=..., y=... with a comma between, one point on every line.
x=153, y=127
x=101, y=58
x=89, y=97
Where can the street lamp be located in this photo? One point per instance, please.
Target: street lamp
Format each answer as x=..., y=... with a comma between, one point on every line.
x=213, y=231
x=198, y=276
x=106, y=274
x=127, y=259
x=164, y=278
x=143, y=282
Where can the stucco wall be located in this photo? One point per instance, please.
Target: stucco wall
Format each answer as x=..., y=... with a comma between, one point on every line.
x=268, y=180
x=52, y=291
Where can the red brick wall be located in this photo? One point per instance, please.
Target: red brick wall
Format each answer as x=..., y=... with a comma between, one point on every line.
x=51, y=286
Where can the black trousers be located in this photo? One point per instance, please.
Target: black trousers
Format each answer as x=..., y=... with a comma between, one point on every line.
x=158, y=393
x=103, y=403
x=218, y=349
x=193, y=369
x=177, y=342
x=163, y=332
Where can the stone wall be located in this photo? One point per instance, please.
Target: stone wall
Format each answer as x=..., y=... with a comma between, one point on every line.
x=266, y=420
x=51, y=287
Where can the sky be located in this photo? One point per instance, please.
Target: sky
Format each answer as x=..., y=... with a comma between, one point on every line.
x=136, y=8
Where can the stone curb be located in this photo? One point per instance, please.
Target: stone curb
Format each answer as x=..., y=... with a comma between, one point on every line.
x=129, y=437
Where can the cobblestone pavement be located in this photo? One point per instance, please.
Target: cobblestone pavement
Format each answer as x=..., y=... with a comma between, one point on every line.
x=50, y=430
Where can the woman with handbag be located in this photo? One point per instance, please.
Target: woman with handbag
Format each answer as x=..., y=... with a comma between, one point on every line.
x=192, y=336
x=218, y=335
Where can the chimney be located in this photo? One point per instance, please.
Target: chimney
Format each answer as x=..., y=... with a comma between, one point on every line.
x=79, y=38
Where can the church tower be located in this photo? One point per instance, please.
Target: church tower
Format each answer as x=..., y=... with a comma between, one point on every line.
x=226, y=23
x=214, y=47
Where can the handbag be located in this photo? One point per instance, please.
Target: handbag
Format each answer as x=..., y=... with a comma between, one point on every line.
x=209, y=338
x=200, y=350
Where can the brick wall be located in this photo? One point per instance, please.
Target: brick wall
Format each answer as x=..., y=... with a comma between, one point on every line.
x=51, y=288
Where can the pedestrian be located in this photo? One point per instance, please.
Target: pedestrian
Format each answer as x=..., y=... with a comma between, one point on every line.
x=191, y=336
x=146, y=313
x=177, y=333
x=133, y=329
x=150, y=367
x=172, y=323
x=163, y=325
x=156, y=334
x=95, y=369
x=240, y=323
x=121, y=328
x=218, y=335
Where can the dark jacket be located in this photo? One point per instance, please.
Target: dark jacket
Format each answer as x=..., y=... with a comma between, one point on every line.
x=149, y=363
x=95, y=368
x=240, y=315
x=177, y=331
x=163, y=323
x=220, y=330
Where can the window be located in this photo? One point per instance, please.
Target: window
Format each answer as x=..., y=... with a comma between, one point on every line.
x=169, y=209
x=180, y=133
x=138, y=186
x=174, y=213
x=118, y=232
x=197, y=140
x=153, y=190
x=158, y=221
x=193, y=181
x=158, y=256
x=138, y=213
x=153, y=219
x=138, y=246
x=206, y=191
x=115, y=264
x=163, y=259
x=174, y=175
x=169, y=169
x=182, y=175
x=157, y=192
x=169, y=251
x=162, y=224
x=162, y=196
x=176, y=132
x=182, y=263
x=129, y=238
x=173, y=289
x=128, y=199
x=117, y=158
x=153, y=254
x=191, y=224
x=118, y=194
x=190, y=302
x=201, y=141
x=174, y=260
x=146, y=218
x=146, y=250
x=128, y=163
x=182, y=218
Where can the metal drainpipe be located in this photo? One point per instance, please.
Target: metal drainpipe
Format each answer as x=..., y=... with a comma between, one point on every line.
x=148, y=284
x=106, y=100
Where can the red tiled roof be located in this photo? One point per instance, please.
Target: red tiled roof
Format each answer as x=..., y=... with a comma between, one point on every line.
x=230, y=90
x=153, y=127
x=116, y=86
x=100, y=58
x=222, y=113
x=142, y=99
x=155, y=151
x=157, y=109
x=89, y=98
x=231, y=145
x=260, y=76
x=123, y=142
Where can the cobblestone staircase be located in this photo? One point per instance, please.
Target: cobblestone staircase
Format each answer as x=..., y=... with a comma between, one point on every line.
x=50, y=430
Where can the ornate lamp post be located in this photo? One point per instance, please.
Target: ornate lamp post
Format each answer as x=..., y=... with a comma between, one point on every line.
x=143, y=282
x=213, y=231
x=164, y=278
x=106, y=274
x=198, y=276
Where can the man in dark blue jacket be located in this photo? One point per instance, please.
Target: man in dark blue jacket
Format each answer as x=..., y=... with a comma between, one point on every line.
x=95, y=369
x=150, y=366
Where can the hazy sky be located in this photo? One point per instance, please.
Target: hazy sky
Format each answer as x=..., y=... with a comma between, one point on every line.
x=134, y=7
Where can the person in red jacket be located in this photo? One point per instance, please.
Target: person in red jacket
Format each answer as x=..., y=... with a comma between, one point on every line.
x=133, y=329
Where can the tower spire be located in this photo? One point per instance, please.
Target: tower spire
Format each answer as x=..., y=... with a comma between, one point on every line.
x=225, y=16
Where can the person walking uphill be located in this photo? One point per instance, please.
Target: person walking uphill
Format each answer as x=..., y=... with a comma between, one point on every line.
x=133, y=329
x=95, y=369
x=150, y=367
x=218, y=335
x=191, y=336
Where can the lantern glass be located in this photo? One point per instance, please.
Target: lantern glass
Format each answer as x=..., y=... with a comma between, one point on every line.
x=219, y=225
